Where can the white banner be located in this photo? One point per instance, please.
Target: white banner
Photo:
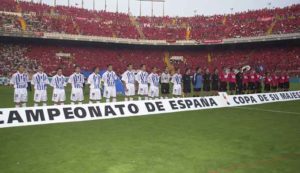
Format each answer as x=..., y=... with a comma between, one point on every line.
x=13, y=117
x=261, y=98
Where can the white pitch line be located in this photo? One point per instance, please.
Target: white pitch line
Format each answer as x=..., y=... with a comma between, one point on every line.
x=268, y=110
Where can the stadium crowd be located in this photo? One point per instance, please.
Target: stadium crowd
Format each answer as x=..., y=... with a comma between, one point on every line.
x=263, y=59
x=43, y=18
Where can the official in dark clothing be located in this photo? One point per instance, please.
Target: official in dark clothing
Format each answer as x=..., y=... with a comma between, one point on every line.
x=215, y=81
x=239, y=82
x=187, y=83
x=206, y=80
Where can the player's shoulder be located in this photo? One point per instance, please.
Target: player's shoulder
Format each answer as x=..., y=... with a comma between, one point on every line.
x=15, y=74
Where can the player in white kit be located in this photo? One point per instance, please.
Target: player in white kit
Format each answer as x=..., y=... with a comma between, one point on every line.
x=165, y=78
x=177, y=80
x=94, y=80
x=40, y=81
x=128, y=79
x=76, y=80
x=142, y=81
x=58, y=83
x=109, y=80
x=153, y=80
x=20, y=82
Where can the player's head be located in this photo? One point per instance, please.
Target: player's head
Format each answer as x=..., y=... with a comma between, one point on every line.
x=40, y=68
x=207, y=70
x=178, y=70
x=77, y=69
x=224, y=69
x=129, y=67
x=143, y=67
x=187, y=71
x=198, y=70
x=59, y=71
x=166, y=69
x=154, y=69
x=267, y=74
x=96, y=70
x=216, y=71
x=21, y=68
x=109, y=67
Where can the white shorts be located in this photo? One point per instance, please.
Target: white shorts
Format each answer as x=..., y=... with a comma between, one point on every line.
x=59, y=95
x=143, y=89
x=129, y=90
x=95, y=94
x=40, y=96
x=153, y=91
x=20, y=95
x=109, y=91
x=177, y=90
x=77, y=95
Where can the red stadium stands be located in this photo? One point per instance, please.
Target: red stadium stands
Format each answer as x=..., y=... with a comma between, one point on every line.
x=39, y=17
x=264, y=58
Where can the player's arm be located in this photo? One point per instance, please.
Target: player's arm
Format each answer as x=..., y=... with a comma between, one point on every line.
x=70, y=80
x=47, y=80
x=89, y=80
x=123, y=79
x=33, y=80
x=136, y=80
x=52, y=83
x=65, y=81
x=12, y=81
x=149, y=79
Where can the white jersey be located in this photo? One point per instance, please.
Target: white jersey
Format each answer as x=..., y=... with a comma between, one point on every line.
x=153, y=80
x=128, y=77
x=76, y=80
x=19, y=80
x=176, y=79
x=142, y=78
x=165, y=77
x=95, y=81
x=58, y=82
x=109, y=78
x=40, y=81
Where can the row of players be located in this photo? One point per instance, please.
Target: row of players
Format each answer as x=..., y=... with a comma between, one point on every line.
x=239, y=82
x=129, y=78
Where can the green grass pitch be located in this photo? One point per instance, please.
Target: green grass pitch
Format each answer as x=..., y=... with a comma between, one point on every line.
x=252, y=139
